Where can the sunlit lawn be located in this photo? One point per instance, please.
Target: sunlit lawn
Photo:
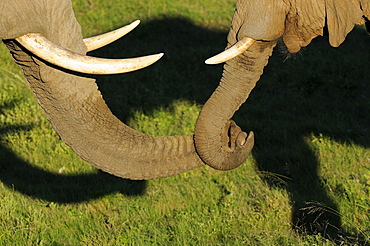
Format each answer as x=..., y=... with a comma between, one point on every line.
x=307, y=182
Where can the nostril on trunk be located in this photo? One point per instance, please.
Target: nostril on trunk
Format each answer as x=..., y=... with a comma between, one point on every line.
x=229, y=136
x=232, y=132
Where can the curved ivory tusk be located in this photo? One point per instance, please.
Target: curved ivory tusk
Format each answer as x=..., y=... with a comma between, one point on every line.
x=61, y=57
x=99, y=41
x=235, y=50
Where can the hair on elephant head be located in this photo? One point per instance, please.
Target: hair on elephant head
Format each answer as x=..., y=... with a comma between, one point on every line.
x=45, y=39
x=256, y=26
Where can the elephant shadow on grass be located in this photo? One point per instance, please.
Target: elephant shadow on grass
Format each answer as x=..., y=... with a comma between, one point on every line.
x=292, y=101
x=38, y=183
x=324, y=91
x=144, y=89
x=32, y=181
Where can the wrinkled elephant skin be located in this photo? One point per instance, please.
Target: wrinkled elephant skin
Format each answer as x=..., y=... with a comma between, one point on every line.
x=77, y=111
x=74, y=105
x=296, y=22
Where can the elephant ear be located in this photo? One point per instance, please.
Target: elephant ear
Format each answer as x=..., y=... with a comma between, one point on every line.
x=365, y=6
x=305, y=21
x=341, y=17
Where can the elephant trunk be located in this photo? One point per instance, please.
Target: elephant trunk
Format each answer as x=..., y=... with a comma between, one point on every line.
x=75, y=107
x=77, y=111
x=220, y=142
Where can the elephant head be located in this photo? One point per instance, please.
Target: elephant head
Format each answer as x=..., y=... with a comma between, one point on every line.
x=71, y=99
x=256, y=27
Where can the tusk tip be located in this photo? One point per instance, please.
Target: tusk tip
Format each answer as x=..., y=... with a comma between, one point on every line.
x=154, y=58
x=99, y=41
x=135, y=23
x=159, y=55
x=211, y=61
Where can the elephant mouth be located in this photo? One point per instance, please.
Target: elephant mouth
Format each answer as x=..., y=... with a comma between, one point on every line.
x=234, y=138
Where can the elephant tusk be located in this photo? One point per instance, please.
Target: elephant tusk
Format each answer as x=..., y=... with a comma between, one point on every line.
x=235, y=50
x=61, y=57
x=99, y=41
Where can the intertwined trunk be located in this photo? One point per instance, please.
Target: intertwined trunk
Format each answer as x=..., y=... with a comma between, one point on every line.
x=219, y=141
x=77, y=111
x=75, y=107
x=216, y=138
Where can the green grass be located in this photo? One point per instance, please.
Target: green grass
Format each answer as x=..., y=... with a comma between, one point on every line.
x=307, y=182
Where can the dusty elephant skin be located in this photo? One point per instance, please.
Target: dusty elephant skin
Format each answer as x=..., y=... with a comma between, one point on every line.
x=296, y=22
x=74, y=105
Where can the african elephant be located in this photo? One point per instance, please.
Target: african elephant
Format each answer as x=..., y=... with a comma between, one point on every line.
x=256, y=28
x=76, y=110
x=71, y=99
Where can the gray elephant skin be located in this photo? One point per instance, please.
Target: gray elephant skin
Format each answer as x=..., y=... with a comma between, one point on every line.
x=78, y=113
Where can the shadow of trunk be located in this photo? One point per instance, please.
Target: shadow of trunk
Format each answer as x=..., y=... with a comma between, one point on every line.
x=32, y=181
